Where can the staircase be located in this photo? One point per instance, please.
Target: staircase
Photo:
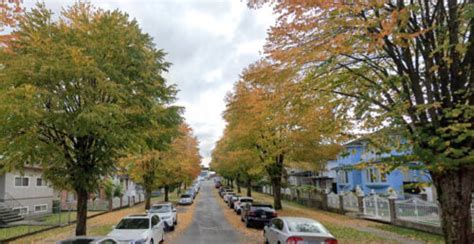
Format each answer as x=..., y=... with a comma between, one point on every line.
x=8, y=215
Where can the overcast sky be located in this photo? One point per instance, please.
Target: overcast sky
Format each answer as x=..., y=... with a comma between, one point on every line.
x=209, y=42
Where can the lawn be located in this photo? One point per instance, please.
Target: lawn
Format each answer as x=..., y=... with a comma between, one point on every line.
x=100, y=225
x=41, y=222
x=351, y=230
x=413, y=234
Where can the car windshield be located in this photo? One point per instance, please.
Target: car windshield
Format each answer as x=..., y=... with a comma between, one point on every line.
x=185, y=196
x=306, y=226
x=78, y=241
x=246, y=200
x=161, y=209
x=262, y=206
x=133, y=224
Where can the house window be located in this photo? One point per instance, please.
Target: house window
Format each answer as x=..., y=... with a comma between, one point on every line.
x=21, y=181
x=342, y=177
x=41, y=208
x=40, y=182
x=22, y=210
x=374, y=175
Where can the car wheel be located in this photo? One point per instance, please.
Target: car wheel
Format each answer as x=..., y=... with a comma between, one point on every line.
x=151, y=241
x=176, y=221
x=238, y=212
x=241, y=219
x=172, y=228
x=247, y=223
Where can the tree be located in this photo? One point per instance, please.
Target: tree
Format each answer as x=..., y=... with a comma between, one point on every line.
x=173, y=159
x=280, y=129
x=181, y=163
x=10, y=12
x=76, y=94
x=112, y=190
x=400, y=64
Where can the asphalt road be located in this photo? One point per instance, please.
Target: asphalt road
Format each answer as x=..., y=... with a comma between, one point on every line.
x=209, y=225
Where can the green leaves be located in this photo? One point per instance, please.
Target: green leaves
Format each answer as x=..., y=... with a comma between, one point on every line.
x=81, y=91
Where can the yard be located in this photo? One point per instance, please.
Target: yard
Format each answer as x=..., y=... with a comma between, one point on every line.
x=97, y=226
x=40, y=223
x=345, y=228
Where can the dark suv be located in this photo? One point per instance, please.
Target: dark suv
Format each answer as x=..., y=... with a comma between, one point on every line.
x=257, y=214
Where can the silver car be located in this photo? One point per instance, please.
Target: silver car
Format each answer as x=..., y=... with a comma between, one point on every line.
x=297, y=230
x=186, y=199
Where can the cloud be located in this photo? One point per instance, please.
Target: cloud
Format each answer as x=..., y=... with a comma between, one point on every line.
x=209, y=42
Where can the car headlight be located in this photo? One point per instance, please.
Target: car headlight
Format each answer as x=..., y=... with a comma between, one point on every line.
x=141, y=241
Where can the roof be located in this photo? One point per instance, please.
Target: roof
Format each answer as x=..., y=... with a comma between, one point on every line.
x=298, y=219
x=162, y=204
x=132, y=216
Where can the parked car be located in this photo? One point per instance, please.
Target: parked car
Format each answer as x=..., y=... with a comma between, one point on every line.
x=191, y=192
x=226, y=191
x=185, y=199
x=238, y=204
x=218, y=184
x=167, y=213
x=232, y=200
x=297, y=230
x=228, y=195
x=257, y=214
x=88, y=240
x=140, y=228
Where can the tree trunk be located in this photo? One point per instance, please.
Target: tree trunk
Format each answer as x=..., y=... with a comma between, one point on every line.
x=454, y=189
x=276, y=173
x=249, y=187
x=178, y=191
x=237, y=180
x=81, y=224
x=147, y=198
x=166, y=193
x=111, y=204
x=276, y=183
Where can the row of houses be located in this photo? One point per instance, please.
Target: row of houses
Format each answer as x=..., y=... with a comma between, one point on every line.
x=351, y=170
x=29, y=193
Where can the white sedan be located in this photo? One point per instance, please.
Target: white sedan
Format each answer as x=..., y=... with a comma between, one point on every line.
x=139, y=229
x=167, y=213
x=238, y=204
x=297, y=230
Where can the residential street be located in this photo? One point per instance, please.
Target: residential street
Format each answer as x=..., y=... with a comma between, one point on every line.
x=248, y=122
x=209, y=224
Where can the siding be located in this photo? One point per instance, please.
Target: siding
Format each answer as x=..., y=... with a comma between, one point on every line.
x=27, y=196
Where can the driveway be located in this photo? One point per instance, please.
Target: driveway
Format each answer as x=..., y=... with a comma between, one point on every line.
x=209, y=224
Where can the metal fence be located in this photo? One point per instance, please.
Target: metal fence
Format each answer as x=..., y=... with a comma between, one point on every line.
x=417, y=210
x=350, y=202
x=376, y=207
x=333, y=200
x=33, y=221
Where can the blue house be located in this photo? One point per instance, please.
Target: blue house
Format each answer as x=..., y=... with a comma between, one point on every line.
x=348, y=173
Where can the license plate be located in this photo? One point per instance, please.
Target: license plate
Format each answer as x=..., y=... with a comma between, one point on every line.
x=263, y=216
